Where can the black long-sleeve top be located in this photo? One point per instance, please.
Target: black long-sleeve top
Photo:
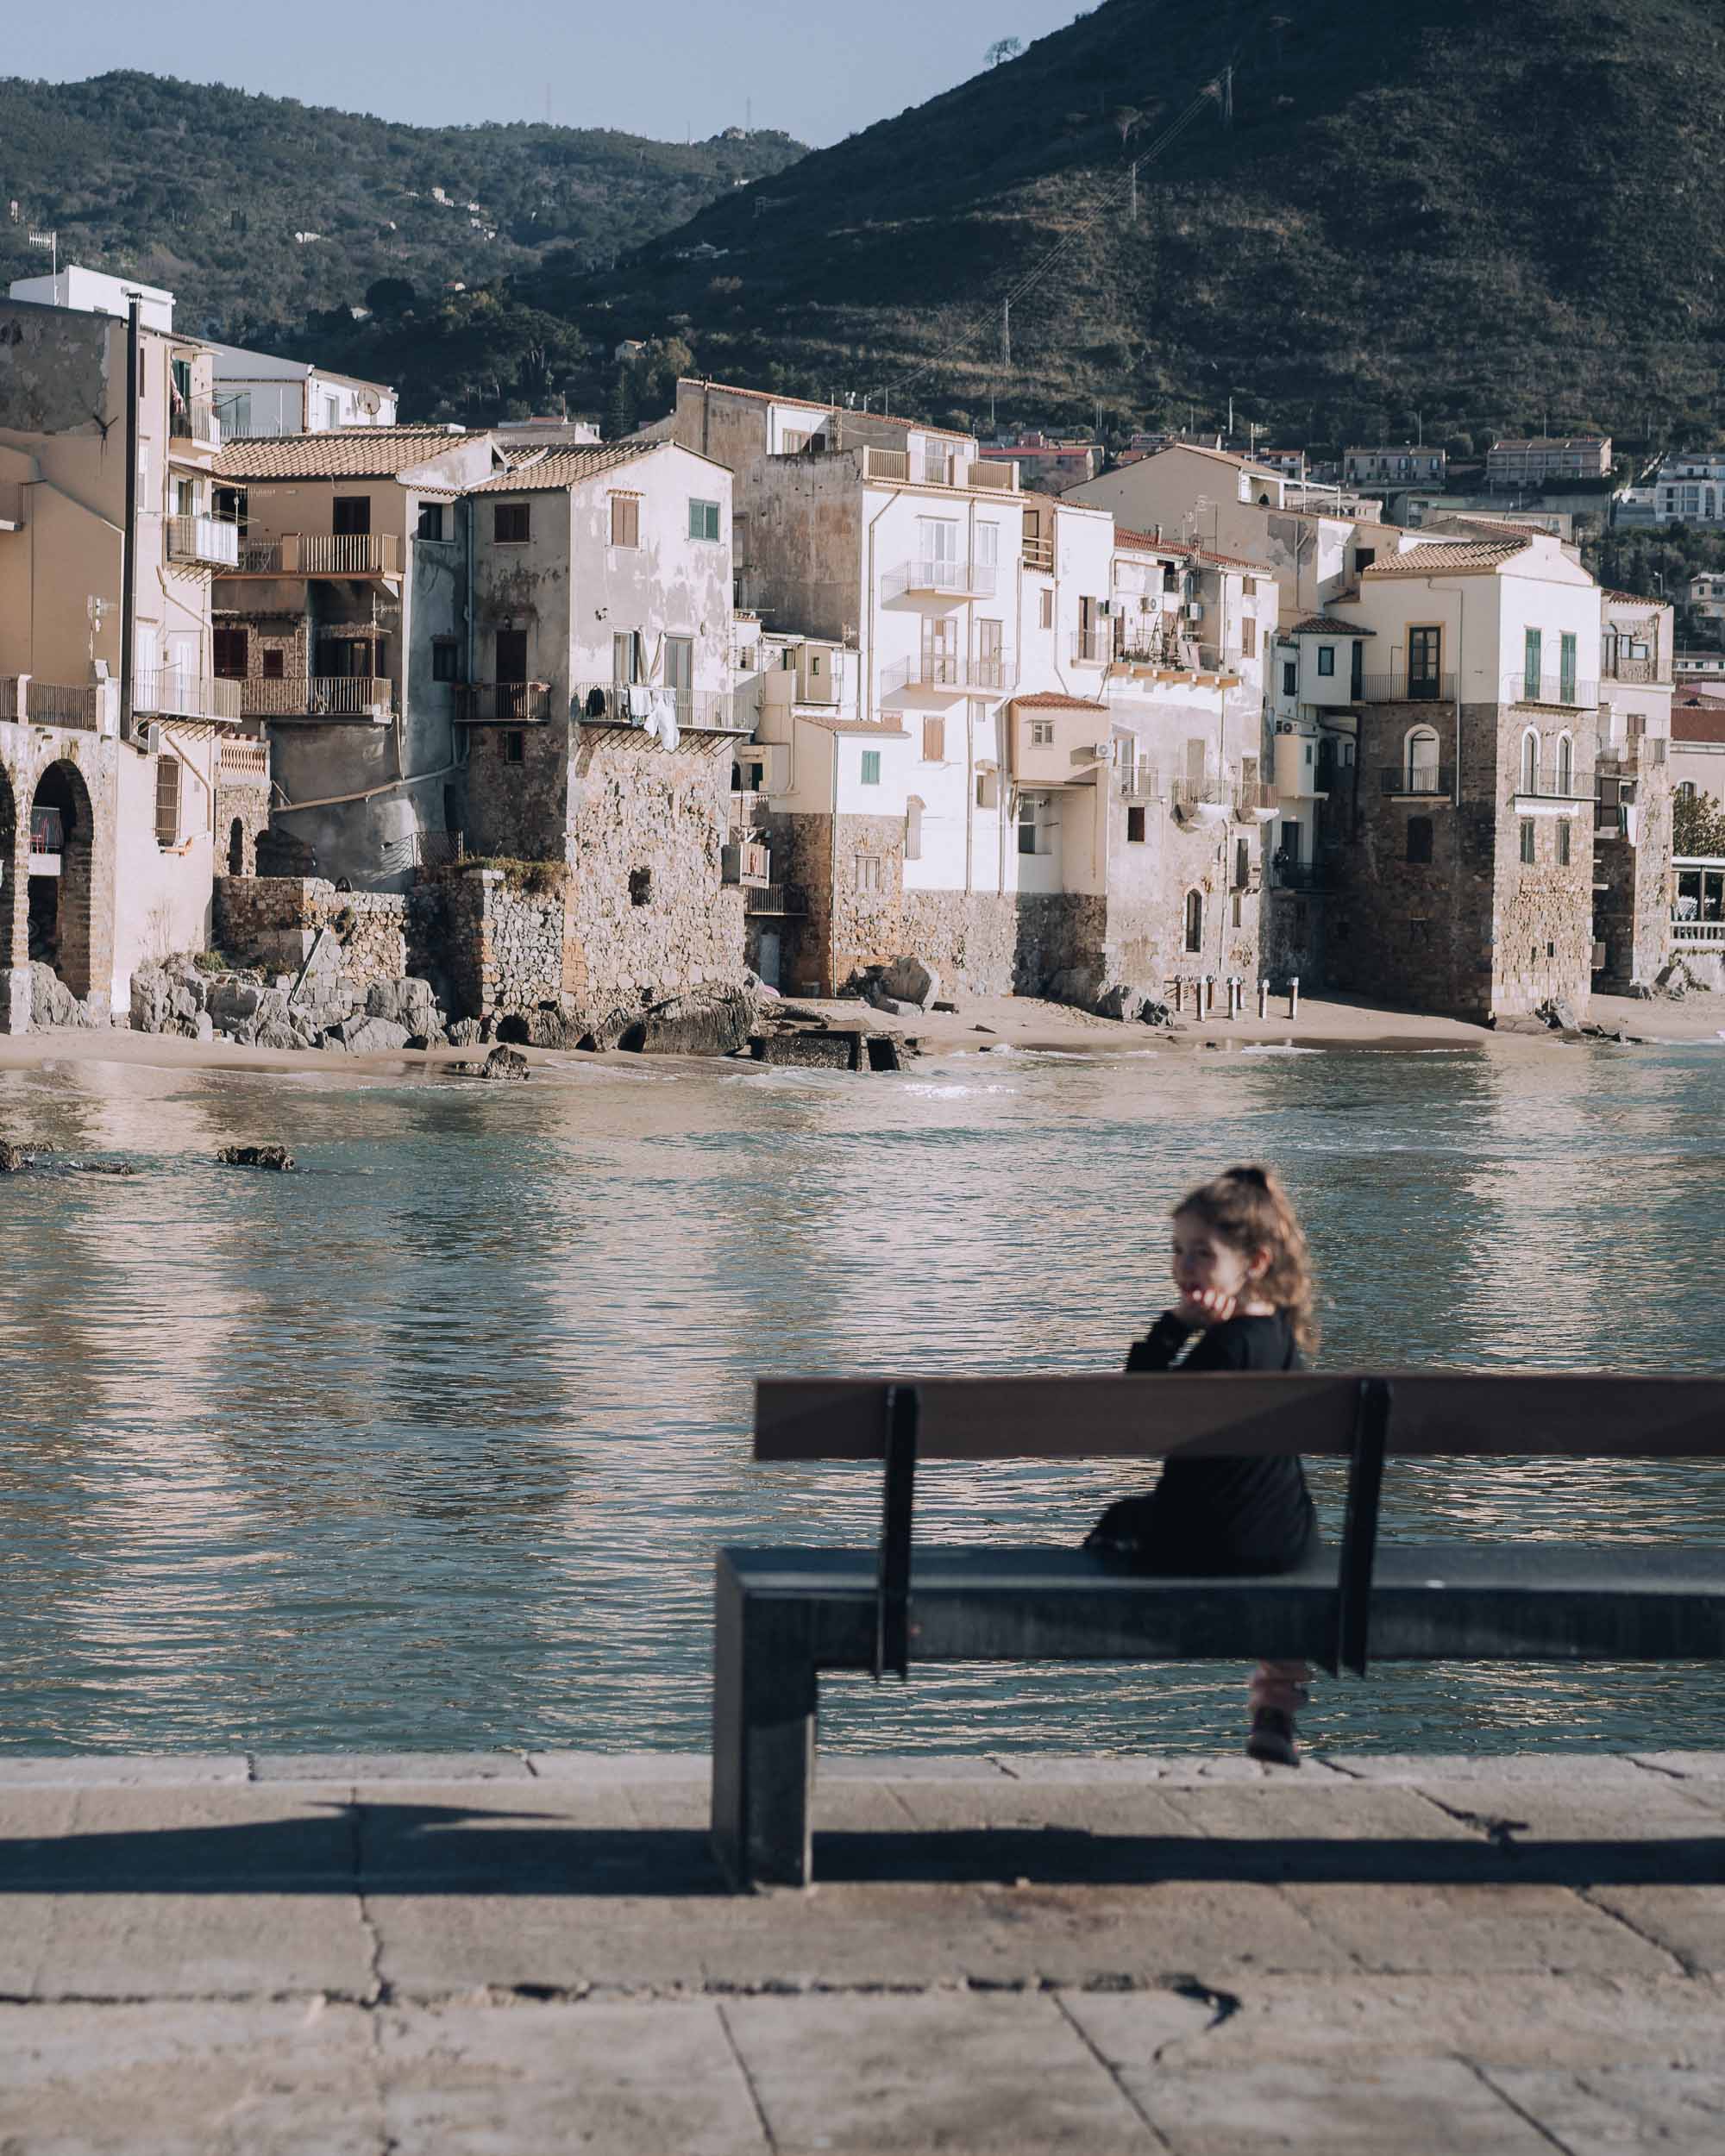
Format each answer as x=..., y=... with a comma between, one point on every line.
x=1216, y=1514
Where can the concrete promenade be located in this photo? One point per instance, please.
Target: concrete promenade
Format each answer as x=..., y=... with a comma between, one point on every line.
x=508, y=1952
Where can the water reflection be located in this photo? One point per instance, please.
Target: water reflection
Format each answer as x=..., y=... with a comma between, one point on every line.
x=430, y=1445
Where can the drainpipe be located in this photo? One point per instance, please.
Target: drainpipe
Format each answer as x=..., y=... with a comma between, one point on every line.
x=128, y=544
x=1461, y=646
x=468, y=516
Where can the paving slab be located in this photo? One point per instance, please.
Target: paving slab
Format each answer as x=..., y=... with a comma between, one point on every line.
x=610, y=1768
x=203, y=1837
x=1070, y=1768
x=1492, y=1929
x=1414, y=2107
x=947, y=2070
x=1523, y=2019
x=168, y=1946
x=1558, y=1769
x=1623, y=2110
x=484, y=2081
x=153, y=2080
x=1691, y=1766
x=1688, y=1921
x=126, y=1771
x=391, y=1766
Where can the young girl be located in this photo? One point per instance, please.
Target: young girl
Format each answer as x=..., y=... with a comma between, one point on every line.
x=1245, y=1304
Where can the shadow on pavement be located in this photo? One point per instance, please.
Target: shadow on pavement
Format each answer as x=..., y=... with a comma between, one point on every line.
x=447, y=1849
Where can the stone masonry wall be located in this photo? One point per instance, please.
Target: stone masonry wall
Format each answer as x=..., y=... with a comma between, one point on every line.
x=1632, y=914
x=501, y=946
x=273, y=921
x=517, y=810
x=649, y=914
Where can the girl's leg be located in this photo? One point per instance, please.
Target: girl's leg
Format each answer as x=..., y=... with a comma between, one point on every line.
x=1277, y=1690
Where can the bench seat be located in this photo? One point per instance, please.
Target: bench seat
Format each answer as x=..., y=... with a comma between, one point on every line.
x=785, y=1614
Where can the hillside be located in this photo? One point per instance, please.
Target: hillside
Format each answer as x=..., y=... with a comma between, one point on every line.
x=204, y=190
x=1488, y=217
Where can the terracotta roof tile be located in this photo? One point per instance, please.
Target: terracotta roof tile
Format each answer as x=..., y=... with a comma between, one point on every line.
x=1327, y=625
x=1690, y=724
x=1046, y=700
x=559, y=468
x=344, y=453
x=807, y=403
x=1635, y=598
x=1461, y=557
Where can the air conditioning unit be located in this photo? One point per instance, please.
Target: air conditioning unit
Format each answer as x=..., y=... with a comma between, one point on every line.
x=1097, y=752
x=1194, y=610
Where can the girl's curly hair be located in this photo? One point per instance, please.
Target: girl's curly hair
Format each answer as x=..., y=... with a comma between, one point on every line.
x=1249, y=1209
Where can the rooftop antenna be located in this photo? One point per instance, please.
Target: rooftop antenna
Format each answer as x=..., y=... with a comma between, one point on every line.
x=49, y=242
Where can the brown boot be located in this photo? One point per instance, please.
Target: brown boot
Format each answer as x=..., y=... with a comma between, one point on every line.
x=1271, y=1738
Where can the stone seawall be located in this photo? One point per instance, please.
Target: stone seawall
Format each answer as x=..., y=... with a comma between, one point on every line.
x=272, y=922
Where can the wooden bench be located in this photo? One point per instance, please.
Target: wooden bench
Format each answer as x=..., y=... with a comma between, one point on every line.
x=783, y=1615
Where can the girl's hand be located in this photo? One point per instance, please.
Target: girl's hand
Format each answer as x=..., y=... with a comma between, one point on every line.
x=1207, y=1306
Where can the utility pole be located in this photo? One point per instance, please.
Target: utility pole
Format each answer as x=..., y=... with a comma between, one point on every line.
x=1006, y=333
x=1228, y=95
x=1132, y=171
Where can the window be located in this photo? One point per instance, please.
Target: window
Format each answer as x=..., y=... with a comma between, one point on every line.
x=446, y=659
x=167, y=801
x=704, y=521
x=1530, y=761
x=514, y=747
x=1562, y=844
x=275, y=664
x=1249, y=638
x=640, y=887
x=1042, y=733
x=1242, y=864
x=332, y=411
x=914, y=829
x=625, y=520
x=351, y=516
x=1135, y=827
x=1290, y=677
x=990, y=661
x=431, y=520
x=871, y=766
x=1533, y=644
x=1567, y=668
x=1425, y=664
x=934, y=741
x=229, y=652
x=625, y=656
x=1195, y=921
x=1419, y=839
x=1422, y=760
x=1565, y=762
x=1326, y=661
x=186, y=498
x=511, y=524
x=1363, y=558
x=866, y=869
x=1046, y=616
x=1026, y=826
x=1528, y=852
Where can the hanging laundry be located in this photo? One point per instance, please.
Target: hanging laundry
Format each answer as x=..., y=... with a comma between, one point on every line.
x=640, y=702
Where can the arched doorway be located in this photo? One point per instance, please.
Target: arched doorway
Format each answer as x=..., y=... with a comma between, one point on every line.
x=62, y=835
x=236, y=848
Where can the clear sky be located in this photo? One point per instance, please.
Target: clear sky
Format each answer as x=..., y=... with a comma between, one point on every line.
x=819, y=69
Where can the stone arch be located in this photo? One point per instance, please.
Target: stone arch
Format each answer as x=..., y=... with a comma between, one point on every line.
x=60, y=905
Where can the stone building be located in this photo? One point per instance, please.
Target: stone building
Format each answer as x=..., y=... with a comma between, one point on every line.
x=599, y=728
x=1632, y=893
x=341, y=629
x=121, y=768
x=1468, y=885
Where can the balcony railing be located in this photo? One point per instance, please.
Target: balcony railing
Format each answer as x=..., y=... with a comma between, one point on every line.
x=1418, y=781
x=775, y=897
x=1092, y=647
x=1641, y=752
x=995, y=472
x=212, y=541
x=503, y=703
x=53, y=702
x=193, y=419
x=1301, y=876
x=938, y=467
x=1408, y=688
x=319, y=696
x=634, y=704
x=242, y=762
x=321, y=554
x=974, y=579
x=165, y=692
x=1708, y=933
x=1553, y=782
x=1254, y=802
x=944, y=670
x=1038, y=554
x=1631, y=670
x=1193, y=794
x=1561, y=689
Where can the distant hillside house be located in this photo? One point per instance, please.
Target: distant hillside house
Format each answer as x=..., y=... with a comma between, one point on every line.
x=259, y=397
x=1045, y=462
x=1707, y=597
x=1688, y=488
x=1408, y=466
x=1539, y=457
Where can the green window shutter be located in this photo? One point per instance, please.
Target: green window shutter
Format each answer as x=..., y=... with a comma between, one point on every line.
x=871, y=766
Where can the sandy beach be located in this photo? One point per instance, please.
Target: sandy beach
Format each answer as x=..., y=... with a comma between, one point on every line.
x=982, y=1024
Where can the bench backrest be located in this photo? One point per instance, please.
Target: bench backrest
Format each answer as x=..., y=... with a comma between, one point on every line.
x=1081, y=1417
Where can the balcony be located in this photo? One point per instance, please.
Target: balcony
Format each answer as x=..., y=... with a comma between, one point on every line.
x=1564, y=783
x=633, y=704
x=1301, y=875
x=1256, y=803
x=242, y=762
x=1038, y=554
x=938, y=467
x=503, y=703
x=1561, y=690
x=1641, y=752
x=945, y=670
x=1408, y=688
x=1644, y=670
x=362, y=696
x=193, y=419
x=1091, y=647
x=321, y=553
x=775, y=899
x=1693, y=934
x=955, y=579
x=746, y=809
x=210, y=542
x=1418, y=781
x=1209, y=800
x=166, y=693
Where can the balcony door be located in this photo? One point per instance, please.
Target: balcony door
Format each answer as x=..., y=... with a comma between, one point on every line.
x=231, y=653
x=352, y=517
x=990, y=656
x=937, y=551
x=1424, y=665
x=940, y=650
x=1532, y=653
x=1567, y=668
x=679, y=674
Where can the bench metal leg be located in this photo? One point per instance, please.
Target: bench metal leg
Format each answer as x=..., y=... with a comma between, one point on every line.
x=765, y=1700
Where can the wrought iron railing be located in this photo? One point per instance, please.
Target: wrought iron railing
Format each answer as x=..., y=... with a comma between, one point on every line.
x=212, y=541
x=774, y=898
x=503, y=703
x=959, y=579
x=1408, y=688
x=1418, y=780
x=633, y=704
x=166, y=693
x=318, y=696
x=56, y=704
x=321, y=554
x=193, y=419
x=1561, y=689
x=944, y=670
x=1091, y=647
x=1556, y=782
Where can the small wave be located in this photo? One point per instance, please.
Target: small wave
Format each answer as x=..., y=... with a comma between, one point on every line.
x=1277, y=1048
